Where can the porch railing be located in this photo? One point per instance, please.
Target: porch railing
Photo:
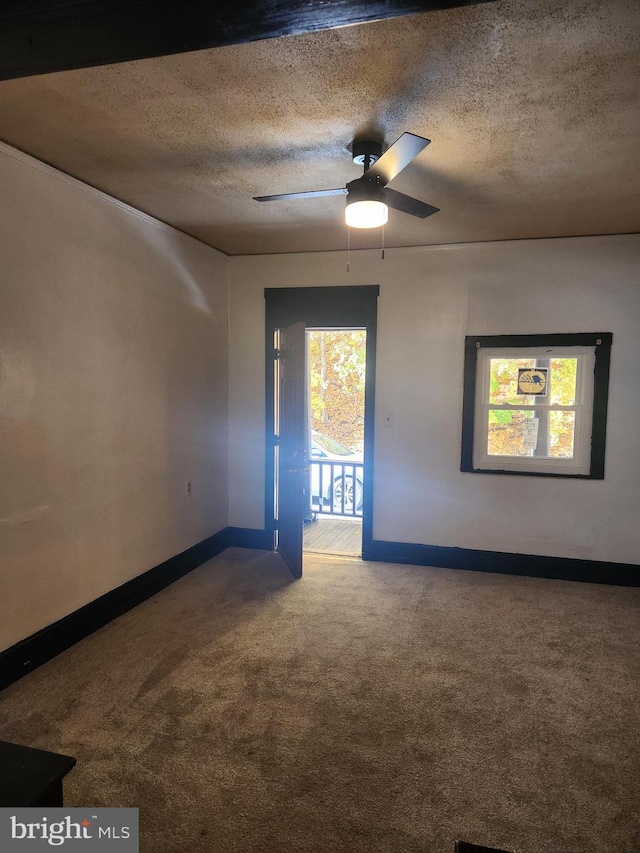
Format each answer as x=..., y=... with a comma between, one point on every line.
x=336, y=488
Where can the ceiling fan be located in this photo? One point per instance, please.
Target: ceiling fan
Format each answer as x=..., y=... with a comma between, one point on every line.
x=368, y=197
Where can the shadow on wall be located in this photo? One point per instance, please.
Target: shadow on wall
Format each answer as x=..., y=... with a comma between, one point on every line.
x=169, y=251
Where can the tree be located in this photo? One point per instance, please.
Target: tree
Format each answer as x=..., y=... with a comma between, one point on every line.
x=337, y=362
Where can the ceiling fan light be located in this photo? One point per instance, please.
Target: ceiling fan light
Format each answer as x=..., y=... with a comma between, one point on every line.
x=366, y=214
x=366, y=204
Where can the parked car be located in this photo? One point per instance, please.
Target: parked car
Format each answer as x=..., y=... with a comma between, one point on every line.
x=333, y=473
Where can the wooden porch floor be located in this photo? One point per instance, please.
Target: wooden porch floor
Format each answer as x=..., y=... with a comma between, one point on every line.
x=334, y=536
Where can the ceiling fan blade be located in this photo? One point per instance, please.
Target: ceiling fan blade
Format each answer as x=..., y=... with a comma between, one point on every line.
x=412, y=206
x=312, y=194
x=397, y=156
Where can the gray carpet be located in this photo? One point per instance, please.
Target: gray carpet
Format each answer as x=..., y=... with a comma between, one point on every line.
x=366, y=707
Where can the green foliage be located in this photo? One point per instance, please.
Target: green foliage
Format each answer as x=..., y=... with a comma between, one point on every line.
x=500, y=417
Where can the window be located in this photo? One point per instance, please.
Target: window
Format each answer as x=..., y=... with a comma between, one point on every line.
x=536, y=404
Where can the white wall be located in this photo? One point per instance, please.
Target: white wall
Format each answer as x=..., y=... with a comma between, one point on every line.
x=430, y=298
x=113, y=392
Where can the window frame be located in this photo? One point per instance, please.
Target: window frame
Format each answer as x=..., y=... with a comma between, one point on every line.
x=474, y=458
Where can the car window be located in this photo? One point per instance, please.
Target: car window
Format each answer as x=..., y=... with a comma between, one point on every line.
x=324, y=443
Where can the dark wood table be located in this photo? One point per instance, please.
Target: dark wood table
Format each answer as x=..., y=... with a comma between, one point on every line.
x=31, y=777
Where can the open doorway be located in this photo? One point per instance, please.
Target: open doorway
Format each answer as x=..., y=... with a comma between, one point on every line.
x=290, y=313
x=335, y=398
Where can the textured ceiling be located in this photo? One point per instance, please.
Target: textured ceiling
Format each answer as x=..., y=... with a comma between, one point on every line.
x=532, y=107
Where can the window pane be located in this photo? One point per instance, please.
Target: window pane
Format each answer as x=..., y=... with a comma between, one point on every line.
x=563, y=381
x=506, y=432
x=562, y=427
x=503, y=380
x=532, y=433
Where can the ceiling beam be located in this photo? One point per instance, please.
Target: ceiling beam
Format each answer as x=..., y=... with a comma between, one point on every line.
x=40, y=36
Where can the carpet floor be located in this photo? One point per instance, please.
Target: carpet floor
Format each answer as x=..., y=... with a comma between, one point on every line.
x=366, y=707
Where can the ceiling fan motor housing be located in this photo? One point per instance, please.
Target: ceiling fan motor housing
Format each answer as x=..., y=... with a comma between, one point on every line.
x=365, y=190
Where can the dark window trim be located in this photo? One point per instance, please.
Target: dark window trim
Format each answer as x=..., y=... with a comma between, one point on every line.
x=602, y=342
x=342, y=306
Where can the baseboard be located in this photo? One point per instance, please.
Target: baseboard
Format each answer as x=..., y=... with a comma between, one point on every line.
x=37, y=649
x=530, y=565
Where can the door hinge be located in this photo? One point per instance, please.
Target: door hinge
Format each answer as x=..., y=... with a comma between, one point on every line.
x=276, y=440
x=277, y=353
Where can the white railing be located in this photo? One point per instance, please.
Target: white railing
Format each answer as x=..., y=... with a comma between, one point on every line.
x=337, y=488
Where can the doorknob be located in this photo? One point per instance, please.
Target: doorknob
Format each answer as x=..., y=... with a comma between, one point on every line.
x=305, y=470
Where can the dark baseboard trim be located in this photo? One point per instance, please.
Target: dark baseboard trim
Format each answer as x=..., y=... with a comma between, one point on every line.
x=32, y=652
x=529, y=565
x=245, y=537
x=37, y=649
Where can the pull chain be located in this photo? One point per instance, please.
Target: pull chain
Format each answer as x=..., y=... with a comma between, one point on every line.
x=382, y=243
x=348, y=246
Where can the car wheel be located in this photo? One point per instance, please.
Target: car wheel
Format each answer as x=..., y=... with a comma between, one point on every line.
x=346, y=484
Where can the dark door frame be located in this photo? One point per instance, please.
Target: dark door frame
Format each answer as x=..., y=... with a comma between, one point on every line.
x=322, y=307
